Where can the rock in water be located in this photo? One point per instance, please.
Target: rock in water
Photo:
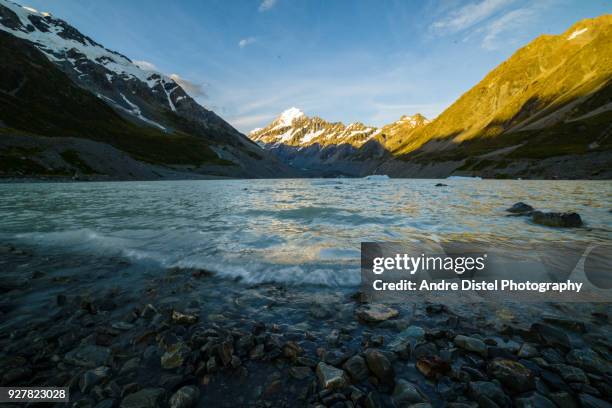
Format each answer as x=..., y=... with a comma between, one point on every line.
x=588, y=360
x=588, y=401
x=565, y=220
x=533, y=400
x=471, y=344
x=356, y=368
x=482, y=391
x=551, y=335
x=376, y=313
x=405, y=394
x=512, y=375
x=183, y=318
x=147, y=398
x=330, y=377
x=175, y=356
x=88, y=356
x=380, y=366
x=185, y=397
x=520, y=208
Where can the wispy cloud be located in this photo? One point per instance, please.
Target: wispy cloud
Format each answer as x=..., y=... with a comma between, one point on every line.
x=249, y=122
x=194, y=89
x=146, y=65
x=267, y=5
x=468, y=15
x=494, y=37
x=246, y=41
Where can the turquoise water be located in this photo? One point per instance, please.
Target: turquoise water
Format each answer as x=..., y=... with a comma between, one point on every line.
x=303, y=231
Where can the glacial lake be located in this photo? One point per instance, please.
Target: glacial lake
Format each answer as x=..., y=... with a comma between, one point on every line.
x=294, y=231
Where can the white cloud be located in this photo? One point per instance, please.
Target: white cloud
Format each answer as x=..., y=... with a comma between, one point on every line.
x=146, y=65
x=249, y=122
x=468, y=15
x=246, y=41
x=510, y=22
x=267, y=5
x=194, y=89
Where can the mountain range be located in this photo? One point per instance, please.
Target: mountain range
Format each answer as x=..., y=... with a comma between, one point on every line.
x=546, y=112
x=70, y=107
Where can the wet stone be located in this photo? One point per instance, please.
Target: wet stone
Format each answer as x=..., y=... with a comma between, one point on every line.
x=376, y=313
x=512, y=375
x=551, y=335
x=185, y=397
x=88, y=356
x=300, y=372
x=380, y=365
x=330, y=377
x=175, y=356
x=357, y=368
x=471, y=344
x=588, y=360
x=406, y=394
x=146, y=398
x=533, y=400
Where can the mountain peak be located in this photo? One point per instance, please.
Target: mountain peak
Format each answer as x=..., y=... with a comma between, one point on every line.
x=288, y=116
x=414, y=120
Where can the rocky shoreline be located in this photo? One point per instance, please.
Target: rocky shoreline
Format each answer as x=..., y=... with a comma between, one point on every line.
x=181, y=338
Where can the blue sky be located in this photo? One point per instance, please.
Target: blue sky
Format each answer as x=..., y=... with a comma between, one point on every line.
x=343, y=60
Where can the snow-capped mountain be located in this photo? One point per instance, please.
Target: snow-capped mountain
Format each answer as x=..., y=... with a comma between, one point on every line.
x=328, y=148
x=139, y=95
x=294, y=128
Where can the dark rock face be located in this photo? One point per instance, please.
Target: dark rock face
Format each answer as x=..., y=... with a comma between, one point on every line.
x=565, y=220
x=146, y=99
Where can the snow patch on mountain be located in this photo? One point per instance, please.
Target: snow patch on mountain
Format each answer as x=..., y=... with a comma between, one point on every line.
x=577, y=33
x=55, y=39
x=287, y=117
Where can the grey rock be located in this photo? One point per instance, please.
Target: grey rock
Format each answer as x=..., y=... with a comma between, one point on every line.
x=330, y=377
x=146, y=398
x=406, y=393
x=588, y=360
x=554, y=219
x=471, y=344
x=148, y=312
x=356, y=368
x=528, y=350
x=106, y=403
x=93, y=377
x=551, y=335
x=376, y=313
x=185, y=397
x=563, y=399
x=380, y=365
x=130, y=366
x=300, y=372
x=89, y=356
x=570, y=373
x=533, y=400
x=568, y=323
x=512, y=375
x=175, y=356
x=589, y=401
x=488, y=390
